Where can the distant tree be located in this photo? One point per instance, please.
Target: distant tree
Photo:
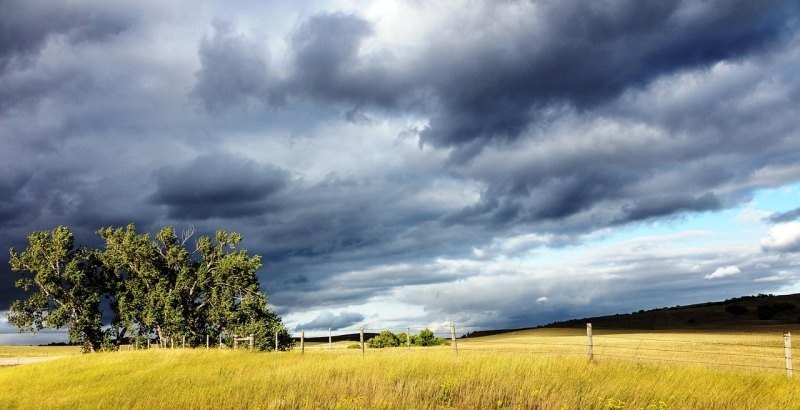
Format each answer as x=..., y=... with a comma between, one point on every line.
x=384, y=339
x=426, y=337
x=768, y=311
x=736, y=310
x=402, y=338
x=67, y=284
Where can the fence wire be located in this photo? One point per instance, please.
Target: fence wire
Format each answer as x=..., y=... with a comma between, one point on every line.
x=661, y=359
x=756, y=355
x=700, y=342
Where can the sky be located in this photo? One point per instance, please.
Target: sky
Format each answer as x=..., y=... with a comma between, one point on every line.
x=411, y=163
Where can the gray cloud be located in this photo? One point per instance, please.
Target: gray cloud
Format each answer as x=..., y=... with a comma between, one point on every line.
x=486, y=90
x=541, y=125
x=787, y=216
x=219, y=185
x=611, y=280
x=233, y=69
x=327, y=320
x=27, y=26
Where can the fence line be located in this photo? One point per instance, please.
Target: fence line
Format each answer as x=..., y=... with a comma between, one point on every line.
x=652, y=349
x=595, y=345
x=691, y=361
x=689, y=341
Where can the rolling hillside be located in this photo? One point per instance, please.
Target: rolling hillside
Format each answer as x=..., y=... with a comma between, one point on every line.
x=746, y=312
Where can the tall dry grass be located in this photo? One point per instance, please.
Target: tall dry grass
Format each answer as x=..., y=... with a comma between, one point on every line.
x=425, y=378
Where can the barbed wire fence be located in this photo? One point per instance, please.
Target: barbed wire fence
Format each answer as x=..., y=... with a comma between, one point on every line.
x=768, y=354
x=762, y=356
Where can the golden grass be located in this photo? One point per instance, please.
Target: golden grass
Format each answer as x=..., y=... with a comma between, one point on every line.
x=38, y=351
x=425, y=378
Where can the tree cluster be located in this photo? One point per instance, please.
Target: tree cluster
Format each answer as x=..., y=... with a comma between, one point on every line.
x=386, y=338
x=150, y=288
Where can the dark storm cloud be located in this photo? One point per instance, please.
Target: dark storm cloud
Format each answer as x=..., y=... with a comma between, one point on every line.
x=494, y=90
x=541, y=124
x=233, y=70
x=668, y=205
x=218, y=186
x=12, y=201
x=587, y=55
x=27, y=25
x=327, y=320
x=327, y=64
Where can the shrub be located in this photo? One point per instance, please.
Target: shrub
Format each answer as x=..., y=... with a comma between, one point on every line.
x=427, y=338
x=354, y=346
x=736, y=310
x=401, y=338
x=769, y=310
x=384, y=339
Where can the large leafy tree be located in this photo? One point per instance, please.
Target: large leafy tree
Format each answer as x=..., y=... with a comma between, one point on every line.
x=232, y=300
x=163, y=288
x=133, y=268
x=154, y=286
x=67, y=283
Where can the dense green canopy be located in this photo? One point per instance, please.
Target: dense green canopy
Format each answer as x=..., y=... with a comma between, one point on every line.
x=154, y=287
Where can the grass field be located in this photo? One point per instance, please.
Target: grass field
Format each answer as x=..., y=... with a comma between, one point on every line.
x=503, y=371
x=38, y=351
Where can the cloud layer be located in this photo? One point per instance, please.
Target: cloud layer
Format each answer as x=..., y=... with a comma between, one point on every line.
x=432, y=154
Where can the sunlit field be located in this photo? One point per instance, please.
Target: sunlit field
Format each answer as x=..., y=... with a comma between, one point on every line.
x=545, y=369
x=38, y=351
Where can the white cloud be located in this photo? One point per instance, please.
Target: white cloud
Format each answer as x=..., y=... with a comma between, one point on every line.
x=783, y=237
x=724, y=271
x=542, y=299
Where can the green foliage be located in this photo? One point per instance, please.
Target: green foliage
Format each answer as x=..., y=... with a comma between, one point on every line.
x=401, y=338
x=384, y=339
x=354, y=346
x=154, y=286
x=426, y=337
x=67, y=284
x=447, y=392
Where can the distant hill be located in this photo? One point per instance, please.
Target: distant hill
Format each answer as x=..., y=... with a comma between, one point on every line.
x=746, y=312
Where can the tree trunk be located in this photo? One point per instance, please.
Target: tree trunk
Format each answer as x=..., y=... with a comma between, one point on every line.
x=161, y=341
x=120, y=336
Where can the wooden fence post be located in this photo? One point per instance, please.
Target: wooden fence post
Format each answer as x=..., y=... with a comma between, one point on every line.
x=330, y=339
x=589, y=344
x=302, y=341
x=220, y=340
x=276, y=341
x=362, y=340
x=148, y=342
x=208, y=342
x=453, y=336
x=787, y=352
x=408, y=339
x=252, y=341
x=171, y=342
x=183, y=342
